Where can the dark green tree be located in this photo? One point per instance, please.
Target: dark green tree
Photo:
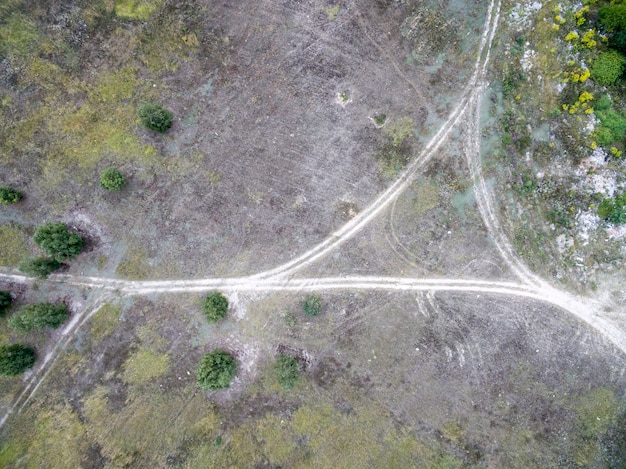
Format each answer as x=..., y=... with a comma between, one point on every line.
x=215, y=306
x=58, y=241
x=287, y=371
x=217, y=369
x=155, y=117
x=312, y=305
x=112, y=180
x=39, y=267
x=5, y=302
x=39, y=316
x=613, y=17
x=8, y=195
x=15, y=359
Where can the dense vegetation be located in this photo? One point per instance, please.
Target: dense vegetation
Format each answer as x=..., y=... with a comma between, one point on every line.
x=58, y=241
x=155, y=117
x=312, y=305
x=112, y=179
x=15, y=359
x=39, y=316
x=215, y=306
x=287, y=371
x=5, y=302
x=39, y=267
x=8, y=195
x=216, y=370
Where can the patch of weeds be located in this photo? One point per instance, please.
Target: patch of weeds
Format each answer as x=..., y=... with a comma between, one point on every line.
x=18, y=35
x=289, y=319
x=312, y=305
x=14, y=242
x=392, y=159
x=400, y=130
x=531, y=244
x=136, y=9
x=426, y=196
x=135, y=265
x=104, y=322
x=613, y=210
x=347, y=210
x=527, y=185
x=144, y=365
x=332, y=12
x=431, y=31
x=380, y=119
x=287, y=371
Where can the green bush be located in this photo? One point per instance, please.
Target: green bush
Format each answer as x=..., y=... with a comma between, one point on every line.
x=112, y=180
x=215, y=306
x=8, y=195
x=39, y=316
x=614, y=210
x=58, y=241
x=312, y=305
x=287, y=371
x=5, y=302
x=608, y=67
x=15, y=359
x=39, y=267
x=613, y=17
x=217, y=369
x=155, y=117
x=612, y=126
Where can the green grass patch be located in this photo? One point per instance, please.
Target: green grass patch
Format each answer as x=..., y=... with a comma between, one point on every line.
x=14, y=242
x=135, y=265
x=144, y=365
x=104, y=322
x=18, y=35
x=136, y=9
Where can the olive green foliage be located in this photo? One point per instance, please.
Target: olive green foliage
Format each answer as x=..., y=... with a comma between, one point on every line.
x=612, y=124
x=614, y=210
x=5, y=302
x=613, y=17
x=287, y=371
x=155, y=117
x=8, y=195
x=15, y=359
x=112, y=180
x=39, y=267
x=58, y=241
x=39, y=316
x=312, y=305
x=215, y=306
x=217, y=369
x=608, y=67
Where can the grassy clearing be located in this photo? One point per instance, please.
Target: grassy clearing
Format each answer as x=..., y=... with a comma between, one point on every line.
x=135, y=265
x=15, y=244
x=144, y=365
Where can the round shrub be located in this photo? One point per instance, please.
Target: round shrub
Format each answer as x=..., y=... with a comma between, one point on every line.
x=8, y=195
x=5, y=302
x=112, y=180
x=215, y=306
x=39, y=267
x=287, y=371
x=608, y=67
x=38, y=316
x=217, y=369
x=312, y=305
x=15, y=359
x=155, y=117
x=58, y=241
